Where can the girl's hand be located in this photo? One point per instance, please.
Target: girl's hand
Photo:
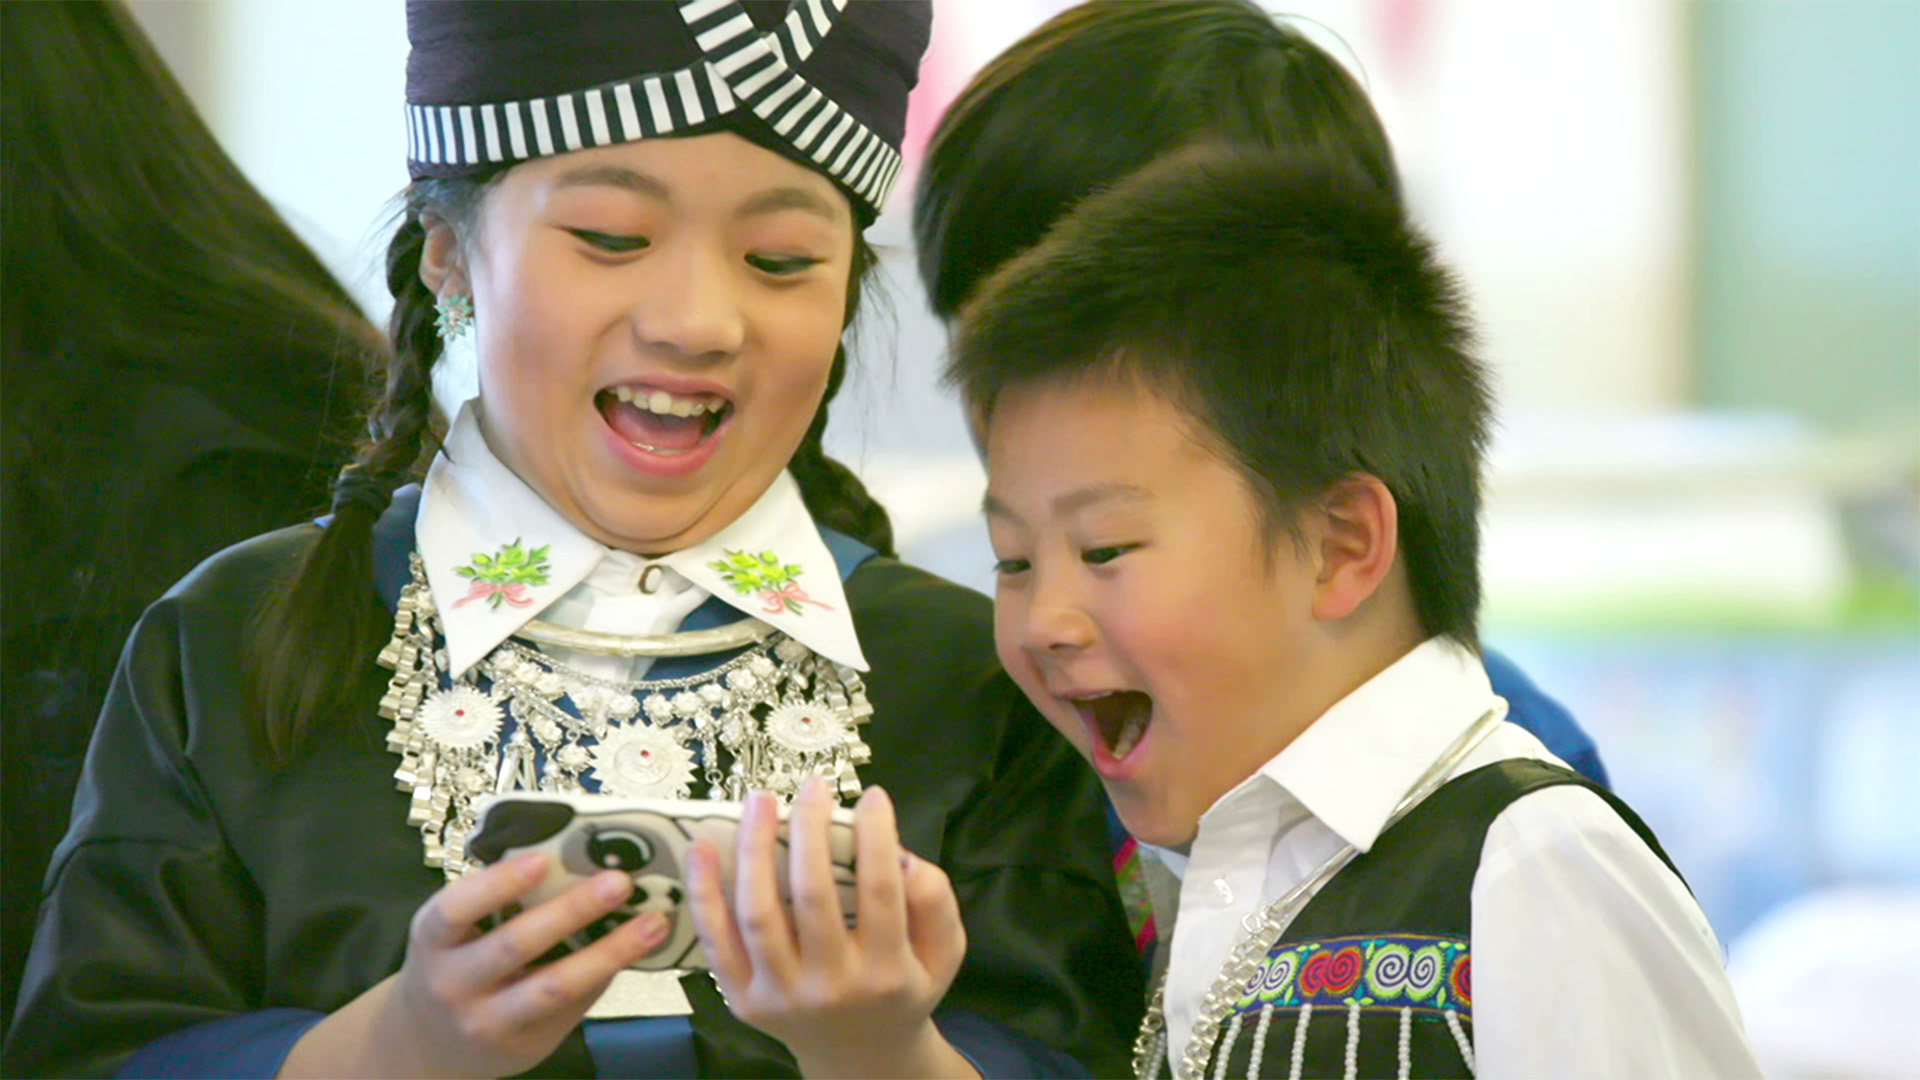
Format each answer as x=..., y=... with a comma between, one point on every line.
x=465, y=1002
x=847, y=1002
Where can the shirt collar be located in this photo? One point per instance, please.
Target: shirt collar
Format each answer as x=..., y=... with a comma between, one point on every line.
x=1351, y=767
x=497, y=555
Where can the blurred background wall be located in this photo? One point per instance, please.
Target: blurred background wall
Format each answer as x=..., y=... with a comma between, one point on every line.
x=1692, y=235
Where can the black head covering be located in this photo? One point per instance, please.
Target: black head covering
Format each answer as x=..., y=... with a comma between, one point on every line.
x=823, y=82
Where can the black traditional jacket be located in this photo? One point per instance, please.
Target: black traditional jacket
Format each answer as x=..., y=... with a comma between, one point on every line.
x=201, y=899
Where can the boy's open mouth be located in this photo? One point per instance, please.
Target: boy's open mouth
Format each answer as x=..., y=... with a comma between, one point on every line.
x=1119, y=718
x=659, y=421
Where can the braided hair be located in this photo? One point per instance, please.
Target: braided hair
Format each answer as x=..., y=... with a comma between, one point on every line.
x=306, y=637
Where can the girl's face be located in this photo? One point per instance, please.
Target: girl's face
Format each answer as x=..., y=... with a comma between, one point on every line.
x=656, y=324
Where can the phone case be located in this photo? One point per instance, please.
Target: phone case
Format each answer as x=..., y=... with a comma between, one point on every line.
x=646, y=838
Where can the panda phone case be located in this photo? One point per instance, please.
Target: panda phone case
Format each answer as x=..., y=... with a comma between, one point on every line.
x=648, y=840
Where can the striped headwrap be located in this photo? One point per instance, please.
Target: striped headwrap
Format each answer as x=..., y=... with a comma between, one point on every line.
x=823, y=82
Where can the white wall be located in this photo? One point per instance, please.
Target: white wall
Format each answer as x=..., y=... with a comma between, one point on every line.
x=306, y=96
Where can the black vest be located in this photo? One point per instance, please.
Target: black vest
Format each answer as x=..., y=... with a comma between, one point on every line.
x=1382, y=953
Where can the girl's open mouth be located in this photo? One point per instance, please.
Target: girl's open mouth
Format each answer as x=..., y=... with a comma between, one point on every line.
x=659, y=421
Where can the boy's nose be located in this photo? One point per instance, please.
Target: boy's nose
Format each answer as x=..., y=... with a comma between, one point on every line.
x=1058, y=629
x=691, y=306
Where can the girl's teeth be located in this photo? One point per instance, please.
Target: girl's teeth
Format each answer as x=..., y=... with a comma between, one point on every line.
x=661, y=402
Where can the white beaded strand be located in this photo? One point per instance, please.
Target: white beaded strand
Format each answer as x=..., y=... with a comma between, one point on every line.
x=1353, y=1039
x=1260, y=1039
x=1406, y=1043
x=1460, y=1039
x=1300, y=1042
x=1226, y=1046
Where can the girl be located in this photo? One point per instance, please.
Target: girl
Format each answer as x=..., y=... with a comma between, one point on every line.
x=648, y=218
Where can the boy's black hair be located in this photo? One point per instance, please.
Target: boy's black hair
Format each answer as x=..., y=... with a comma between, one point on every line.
x=1101, y=90
x=1292, y=311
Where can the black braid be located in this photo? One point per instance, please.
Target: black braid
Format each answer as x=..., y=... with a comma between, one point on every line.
x=329, y=621
x=834, y=495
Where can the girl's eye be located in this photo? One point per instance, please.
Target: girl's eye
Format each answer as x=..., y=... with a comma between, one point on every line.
x=1101, y=556
x=608, y=242
x=1010, y=566
x=782, y=265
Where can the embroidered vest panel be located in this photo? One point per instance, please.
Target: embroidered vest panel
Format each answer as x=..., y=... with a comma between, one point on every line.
x=1375, y=975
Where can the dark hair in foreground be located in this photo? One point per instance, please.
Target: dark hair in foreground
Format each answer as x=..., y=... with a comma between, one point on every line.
x=1293, y=313
x=136, y=250
x=308, y=637
x=138, y=256
x=1101, y=90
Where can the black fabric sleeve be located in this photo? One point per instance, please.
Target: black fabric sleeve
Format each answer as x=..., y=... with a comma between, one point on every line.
x=1048, y=949
x=66, y=623
x=988, y=789
x=150, y=922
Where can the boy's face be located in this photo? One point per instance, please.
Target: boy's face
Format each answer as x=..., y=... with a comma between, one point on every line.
x=1136, y=604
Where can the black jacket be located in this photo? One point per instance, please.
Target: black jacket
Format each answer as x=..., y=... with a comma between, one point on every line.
x=196, y=885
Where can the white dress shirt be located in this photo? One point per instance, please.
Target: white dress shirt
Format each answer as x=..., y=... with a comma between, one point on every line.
x=1590, y=958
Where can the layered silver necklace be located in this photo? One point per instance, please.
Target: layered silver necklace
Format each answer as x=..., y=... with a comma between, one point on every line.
x=768, y=718
x=1265, y=927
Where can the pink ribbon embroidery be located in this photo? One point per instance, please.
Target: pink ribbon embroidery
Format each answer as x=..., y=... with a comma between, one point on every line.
x=787, y=597
x=515, y=593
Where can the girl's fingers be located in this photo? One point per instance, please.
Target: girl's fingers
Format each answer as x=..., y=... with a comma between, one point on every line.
x=934, y=929
x=503, y=951
x=882, y=926
x=818, y=921
x=573, y=982
x=756, y=893
x=713, y=919
x=449, y=918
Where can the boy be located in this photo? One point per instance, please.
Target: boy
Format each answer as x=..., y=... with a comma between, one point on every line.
x=1233, y=436
x=1102, y=89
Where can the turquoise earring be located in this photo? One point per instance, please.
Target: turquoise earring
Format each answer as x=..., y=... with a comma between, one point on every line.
x=453, y=315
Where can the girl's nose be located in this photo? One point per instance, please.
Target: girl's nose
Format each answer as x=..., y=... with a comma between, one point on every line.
x=691, y=304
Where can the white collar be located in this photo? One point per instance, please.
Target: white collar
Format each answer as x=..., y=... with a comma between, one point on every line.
x=1351, y=767
x=770, y=562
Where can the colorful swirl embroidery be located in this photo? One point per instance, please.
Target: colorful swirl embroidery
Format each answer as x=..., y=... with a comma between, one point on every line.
x=1389, y=971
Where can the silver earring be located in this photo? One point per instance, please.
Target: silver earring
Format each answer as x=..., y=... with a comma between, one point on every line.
x=453, y=315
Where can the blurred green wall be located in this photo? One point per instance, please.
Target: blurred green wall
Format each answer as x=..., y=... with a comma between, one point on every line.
x=1807, y=209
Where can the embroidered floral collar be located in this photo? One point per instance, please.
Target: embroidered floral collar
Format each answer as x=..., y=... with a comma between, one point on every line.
x=497, y=555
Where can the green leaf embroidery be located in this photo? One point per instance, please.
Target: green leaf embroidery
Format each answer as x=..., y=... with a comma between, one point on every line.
x=512, y=565
x=776, y=582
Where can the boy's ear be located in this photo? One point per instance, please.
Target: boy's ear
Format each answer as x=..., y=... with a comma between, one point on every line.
x=1358, y=538
x=442, y=259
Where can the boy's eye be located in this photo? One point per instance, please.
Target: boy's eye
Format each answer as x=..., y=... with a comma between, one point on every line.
x=782, y=265
x=618, y=245
x=1010, y=566
x=1101, y=556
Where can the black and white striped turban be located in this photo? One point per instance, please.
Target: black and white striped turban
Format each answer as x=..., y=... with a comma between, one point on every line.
x=824, y=82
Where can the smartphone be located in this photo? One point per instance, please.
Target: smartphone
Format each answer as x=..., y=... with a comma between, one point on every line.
x=647, y=839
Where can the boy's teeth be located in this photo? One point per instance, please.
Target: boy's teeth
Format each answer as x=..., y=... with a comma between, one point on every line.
x=1122, y=717
x=1130, y=732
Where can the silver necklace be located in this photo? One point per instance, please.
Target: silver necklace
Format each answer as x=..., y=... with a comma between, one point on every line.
x=768, y=718
x=1265, y=928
